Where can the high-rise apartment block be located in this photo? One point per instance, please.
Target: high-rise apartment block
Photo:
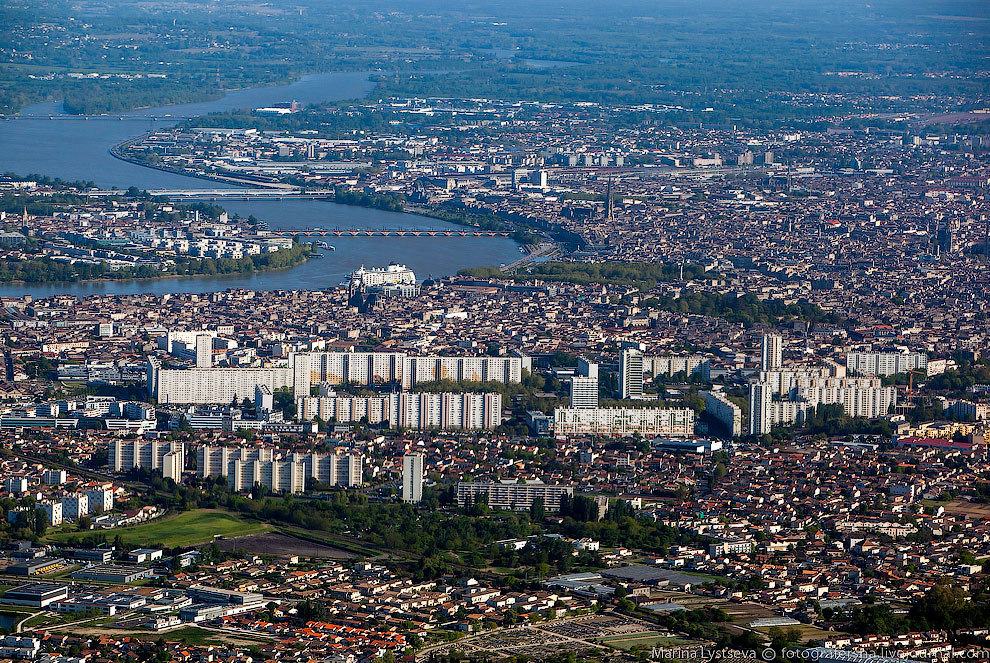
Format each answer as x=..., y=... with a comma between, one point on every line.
x=584, y=391
x=125, y=455
x=412, y=478
x=725, y=411
x=301, y=370
x=510, y=494
x=771, y=352
x=278, y=471
x=631, y=374
x=785, y=399
x=884, y=364
x=621, y=422
x=442, y=411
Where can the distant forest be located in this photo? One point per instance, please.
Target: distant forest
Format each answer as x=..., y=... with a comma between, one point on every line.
x=715, y=61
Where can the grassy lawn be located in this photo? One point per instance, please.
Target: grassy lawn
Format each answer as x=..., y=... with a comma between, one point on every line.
x=191, y=635
x=186, y=529
x=702, y=576
x=648, y=639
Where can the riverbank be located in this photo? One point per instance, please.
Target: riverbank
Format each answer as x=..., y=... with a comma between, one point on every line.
x=73, y=149
x=295, y=256
x=116, y=151
x=478, y=219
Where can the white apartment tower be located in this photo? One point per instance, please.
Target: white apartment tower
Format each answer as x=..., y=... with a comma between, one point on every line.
x=412, y=478
x=631, y=374
x=204, y=351
x=584, y=391
x=771, y=352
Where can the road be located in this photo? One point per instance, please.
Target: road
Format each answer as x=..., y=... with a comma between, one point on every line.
x=541, y=250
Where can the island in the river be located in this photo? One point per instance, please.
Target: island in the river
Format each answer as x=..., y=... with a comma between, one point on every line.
x=55, y=231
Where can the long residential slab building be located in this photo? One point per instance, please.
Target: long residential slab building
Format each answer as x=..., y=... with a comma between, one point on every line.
x=784, y=397
x=511, y=494
x=622, y=422
x=168, y=457
x=301, y=370
x=244, y=467
x=422, y=411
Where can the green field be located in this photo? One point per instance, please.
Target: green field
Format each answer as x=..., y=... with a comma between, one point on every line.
x=186, y=529
x=192, y=635
x=648, y=639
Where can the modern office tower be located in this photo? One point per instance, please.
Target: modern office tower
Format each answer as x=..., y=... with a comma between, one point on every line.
x=884, y=364
x=771, y=352
x=510, y=494
x=622, y=422
x=443, y=411
x=149, y=454
x=587, y=368
x=204, y=351
x=727, y=412
x=631, y=374
x=584, y=391
x=412, y=478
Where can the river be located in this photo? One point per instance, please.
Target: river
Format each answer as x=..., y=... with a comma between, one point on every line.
x=77, y=149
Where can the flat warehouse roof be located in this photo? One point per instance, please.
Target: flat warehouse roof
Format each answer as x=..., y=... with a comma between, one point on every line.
x=35, y=589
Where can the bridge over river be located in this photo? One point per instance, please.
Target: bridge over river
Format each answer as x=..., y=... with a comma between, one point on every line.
x=268, y=193
x=114, y=118
x=393, y=232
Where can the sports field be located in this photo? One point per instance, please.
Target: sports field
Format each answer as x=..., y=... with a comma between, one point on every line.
x=185, y=529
